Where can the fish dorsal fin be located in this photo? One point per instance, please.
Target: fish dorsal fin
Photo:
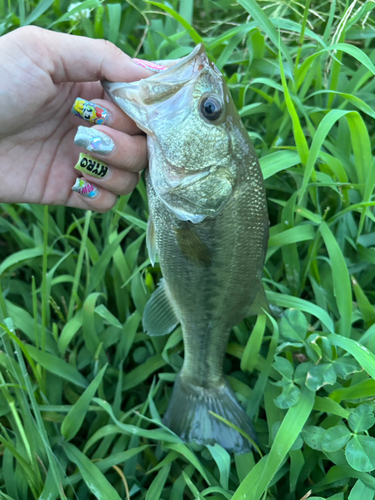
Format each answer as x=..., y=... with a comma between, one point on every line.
x=192, y=247
x=260, y=303
x=151, y=240
x=159, y=317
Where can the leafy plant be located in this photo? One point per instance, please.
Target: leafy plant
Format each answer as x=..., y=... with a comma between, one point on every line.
x=82, y=388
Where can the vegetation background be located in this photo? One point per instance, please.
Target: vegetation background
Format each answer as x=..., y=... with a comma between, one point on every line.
x=82, y=387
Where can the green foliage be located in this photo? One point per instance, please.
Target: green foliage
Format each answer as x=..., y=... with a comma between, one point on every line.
x=83, y=388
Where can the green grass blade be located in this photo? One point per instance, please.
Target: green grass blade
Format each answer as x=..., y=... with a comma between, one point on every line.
x=341, y=280
x=191, y=31
x=256, y=482
x=265, y=24
x=74, y=419
x=94, y=479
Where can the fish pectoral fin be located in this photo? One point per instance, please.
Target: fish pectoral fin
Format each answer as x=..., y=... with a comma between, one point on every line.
x=151, y=240
x=159, y=317
x=191, y=246
x=260, y=303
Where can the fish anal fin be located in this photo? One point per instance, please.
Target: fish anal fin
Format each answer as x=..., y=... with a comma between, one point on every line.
x=159, y=317
x=192, y=247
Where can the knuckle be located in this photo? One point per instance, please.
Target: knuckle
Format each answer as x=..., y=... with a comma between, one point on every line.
x=111, y=47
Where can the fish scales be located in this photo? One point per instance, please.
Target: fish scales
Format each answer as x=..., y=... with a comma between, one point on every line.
x=209, y=225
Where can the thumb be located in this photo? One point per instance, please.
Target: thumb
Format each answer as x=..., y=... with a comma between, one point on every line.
x=73, y=58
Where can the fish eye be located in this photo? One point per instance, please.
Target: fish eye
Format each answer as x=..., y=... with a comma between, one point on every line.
x=211, y=108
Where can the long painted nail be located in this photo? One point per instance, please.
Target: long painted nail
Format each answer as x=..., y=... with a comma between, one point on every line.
x=90, y=111
x=149, y=65
x=94, y=140
x=91, y=166
x=85, y=188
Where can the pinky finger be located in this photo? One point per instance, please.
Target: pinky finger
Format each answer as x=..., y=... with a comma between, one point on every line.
x=87, y=195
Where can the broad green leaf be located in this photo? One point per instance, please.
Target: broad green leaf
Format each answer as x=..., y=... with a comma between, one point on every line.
x=284, y=367
x=336, y=438
x=314, y=436
x=362, y=418
x=360, y=492
x=346, y=366
x=293, y=325
x=320, y=375
x=289, y=396
x=284, y=300
x=360, y=453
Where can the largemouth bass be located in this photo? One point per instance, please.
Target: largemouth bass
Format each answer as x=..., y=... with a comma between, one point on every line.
x=209, y=225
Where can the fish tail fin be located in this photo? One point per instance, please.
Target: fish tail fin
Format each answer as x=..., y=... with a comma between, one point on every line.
x=188, y=415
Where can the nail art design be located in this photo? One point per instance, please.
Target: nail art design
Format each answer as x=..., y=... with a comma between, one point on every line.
x=90, y=111
x=85, y=188
x=91, y=166
x=149, y=65
x=94, y=140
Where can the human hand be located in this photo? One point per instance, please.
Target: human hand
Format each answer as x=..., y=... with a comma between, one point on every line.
x=43, y=73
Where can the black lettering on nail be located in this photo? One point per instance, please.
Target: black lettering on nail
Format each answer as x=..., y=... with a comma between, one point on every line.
x=96, y=169
x=91, y=165
x=84, y=162
x=103, y=171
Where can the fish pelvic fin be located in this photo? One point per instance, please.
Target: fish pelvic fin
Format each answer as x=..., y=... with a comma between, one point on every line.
x=151, y=240
x=159, y=317
x=189, y=415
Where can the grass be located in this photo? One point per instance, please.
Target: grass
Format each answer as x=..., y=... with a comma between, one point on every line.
x=82, y=387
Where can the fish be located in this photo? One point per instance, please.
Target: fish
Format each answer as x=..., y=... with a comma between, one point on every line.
x=208, y=224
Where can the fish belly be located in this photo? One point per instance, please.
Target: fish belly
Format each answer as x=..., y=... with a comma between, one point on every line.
x=213, y=273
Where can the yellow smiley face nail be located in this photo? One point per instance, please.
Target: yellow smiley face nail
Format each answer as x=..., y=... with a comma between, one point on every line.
x=90, y=111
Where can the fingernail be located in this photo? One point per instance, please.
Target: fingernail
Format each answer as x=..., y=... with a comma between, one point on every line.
x=90, y=111
x=91, y=166
x=149, y=65
x=94, y=140
x=85, y=188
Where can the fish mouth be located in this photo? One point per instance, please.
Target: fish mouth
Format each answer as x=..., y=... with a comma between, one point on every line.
x=135, y=97
x=167, y=68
